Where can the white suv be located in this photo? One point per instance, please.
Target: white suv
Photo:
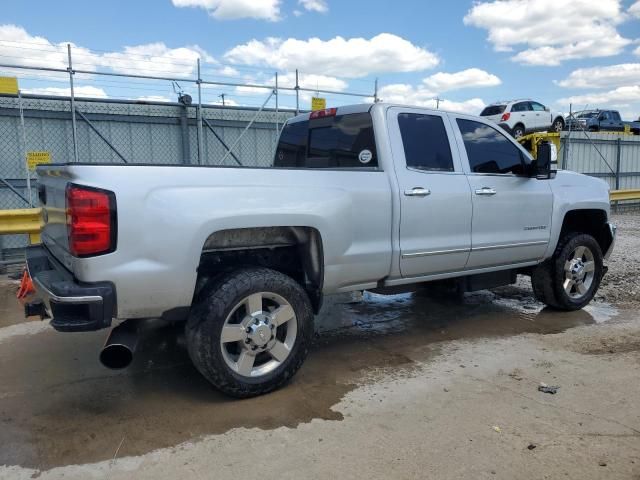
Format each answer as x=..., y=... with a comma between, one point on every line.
x=520, y=117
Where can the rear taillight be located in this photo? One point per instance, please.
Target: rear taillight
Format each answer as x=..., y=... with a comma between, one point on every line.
x=329, y=112
x=505, y=117
x=91, y=221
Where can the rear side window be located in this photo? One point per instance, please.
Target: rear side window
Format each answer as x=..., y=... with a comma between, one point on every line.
x=489, y=151
x=425, y=141
x=521, y=107
x=493, y=110
x=343, y=141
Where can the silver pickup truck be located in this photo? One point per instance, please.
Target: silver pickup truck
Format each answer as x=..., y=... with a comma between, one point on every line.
x=366, y=197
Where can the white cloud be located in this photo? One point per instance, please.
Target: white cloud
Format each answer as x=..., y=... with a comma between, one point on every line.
x=637, y=51
x=634, y=10
x=552, y=30
x=321, y=82
x=236, y=9
x=420, y=96
x=603, y=77
x=155, y=59
x=314, y=5
x=622, y=98
x=79, y=91
x=288, y=80
x=154, y=98
x=472, y=77
x=350, y=58
x=17, y=46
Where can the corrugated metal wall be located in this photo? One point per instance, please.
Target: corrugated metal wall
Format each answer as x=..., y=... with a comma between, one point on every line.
x=139, y=132
x=612, y=157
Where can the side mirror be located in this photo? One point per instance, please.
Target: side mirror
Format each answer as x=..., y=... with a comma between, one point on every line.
x=542, y=165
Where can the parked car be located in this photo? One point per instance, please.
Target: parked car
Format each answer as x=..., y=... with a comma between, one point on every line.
x=600, y=120
x=520, y=117
x=365, y=197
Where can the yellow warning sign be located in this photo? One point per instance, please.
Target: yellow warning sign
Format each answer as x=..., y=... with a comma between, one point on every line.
x=36, y=158
x=9, y=85
x=318, y=103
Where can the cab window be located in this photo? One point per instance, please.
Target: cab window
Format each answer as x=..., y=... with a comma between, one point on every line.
x=425, y=142
x=489, y=151
x=521, y=107
x=342, y=141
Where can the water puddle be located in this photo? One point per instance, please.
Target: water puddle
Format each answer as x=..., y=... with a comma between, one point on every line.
x=58, y=406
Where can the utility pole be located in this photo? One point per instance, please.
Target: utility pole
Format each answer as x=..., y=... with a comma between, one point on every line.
x=222, y=95
x=437, y=103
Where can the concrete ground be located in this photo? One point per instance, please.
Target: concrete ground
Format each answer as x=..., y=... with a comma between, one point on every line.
x=407, y=386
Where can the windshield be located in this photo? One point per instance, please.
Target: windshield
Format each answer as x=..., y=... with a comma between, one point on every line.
x=590, y=114
x=493, y=110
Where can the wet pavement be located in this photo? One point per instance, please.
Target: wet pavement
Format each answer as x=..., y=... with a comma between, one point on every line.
x=59, y=406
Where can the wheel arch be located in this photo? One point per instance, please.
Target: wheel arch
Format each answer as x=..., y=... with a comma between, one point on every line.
x=591, y=221
x=296, y=251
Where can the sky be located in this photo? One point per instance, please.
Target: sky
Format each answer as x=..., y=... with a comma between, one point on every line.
x=466, y=54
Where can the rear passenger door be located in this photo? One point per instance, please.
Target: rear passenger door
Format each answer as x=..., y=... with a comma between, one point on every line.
x=542, y=118
x=434, y=195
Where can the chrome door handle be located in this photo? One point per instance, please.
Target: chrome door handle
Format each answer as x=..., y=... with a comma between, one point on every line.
x=417, y=192
x=486, y=191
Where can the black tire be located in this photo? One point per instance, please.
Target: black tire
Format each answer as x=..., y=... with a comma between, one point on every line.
x=208, y=316
x=557, y=126
x=518, y=131
x=548, y=278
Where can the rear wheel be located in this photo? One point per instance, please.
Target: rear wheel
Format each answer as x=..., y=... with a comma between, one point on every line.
x=570, y=279
x=251, y=332
x=518, y=131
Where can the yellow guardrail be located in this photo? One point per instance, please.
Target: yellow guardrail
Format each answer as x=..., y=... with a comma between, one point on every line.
x=23, y=220
x=617, y=195
x=30, y=221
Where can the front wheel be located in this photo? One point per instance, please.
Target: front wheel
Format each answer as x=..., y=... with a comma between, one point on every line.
x=558, y=125
x=570, y=279
x=251, y=332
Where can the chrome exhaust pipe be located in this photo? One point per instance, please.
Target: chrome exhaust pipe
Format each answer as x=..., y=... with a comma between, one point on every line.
x=120, y=346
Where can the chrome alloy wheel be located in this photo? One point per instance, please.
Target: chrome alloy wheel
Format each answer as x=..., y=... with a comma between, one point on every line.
x=579, y=271
x=258, y=335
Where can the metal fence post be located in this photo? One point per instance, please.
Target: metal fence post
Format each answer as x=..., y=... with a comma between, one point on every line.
x=567, y=140
x=618, y=155
x=297, y=94
x=277, y=129
x=375, y=91
x=74, y=130
x=199, y=115
x=184, y=128
x=24, y=148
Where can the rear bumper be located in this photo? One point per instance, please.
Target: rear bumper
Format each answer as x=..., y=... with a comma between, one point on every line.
x=73, y=306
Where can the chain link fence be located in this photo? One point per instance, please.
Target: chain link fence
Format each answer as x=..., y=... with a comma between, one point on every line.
x=69, y=128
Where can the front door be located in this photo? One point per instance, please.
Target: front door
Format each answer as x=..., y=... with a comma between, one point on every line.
x=511, y=211
x=542, y=118
x=435, y=200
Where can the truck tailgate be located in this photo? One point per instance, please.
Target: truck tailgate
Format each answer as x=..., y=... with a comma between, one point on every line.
x=51, y=190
